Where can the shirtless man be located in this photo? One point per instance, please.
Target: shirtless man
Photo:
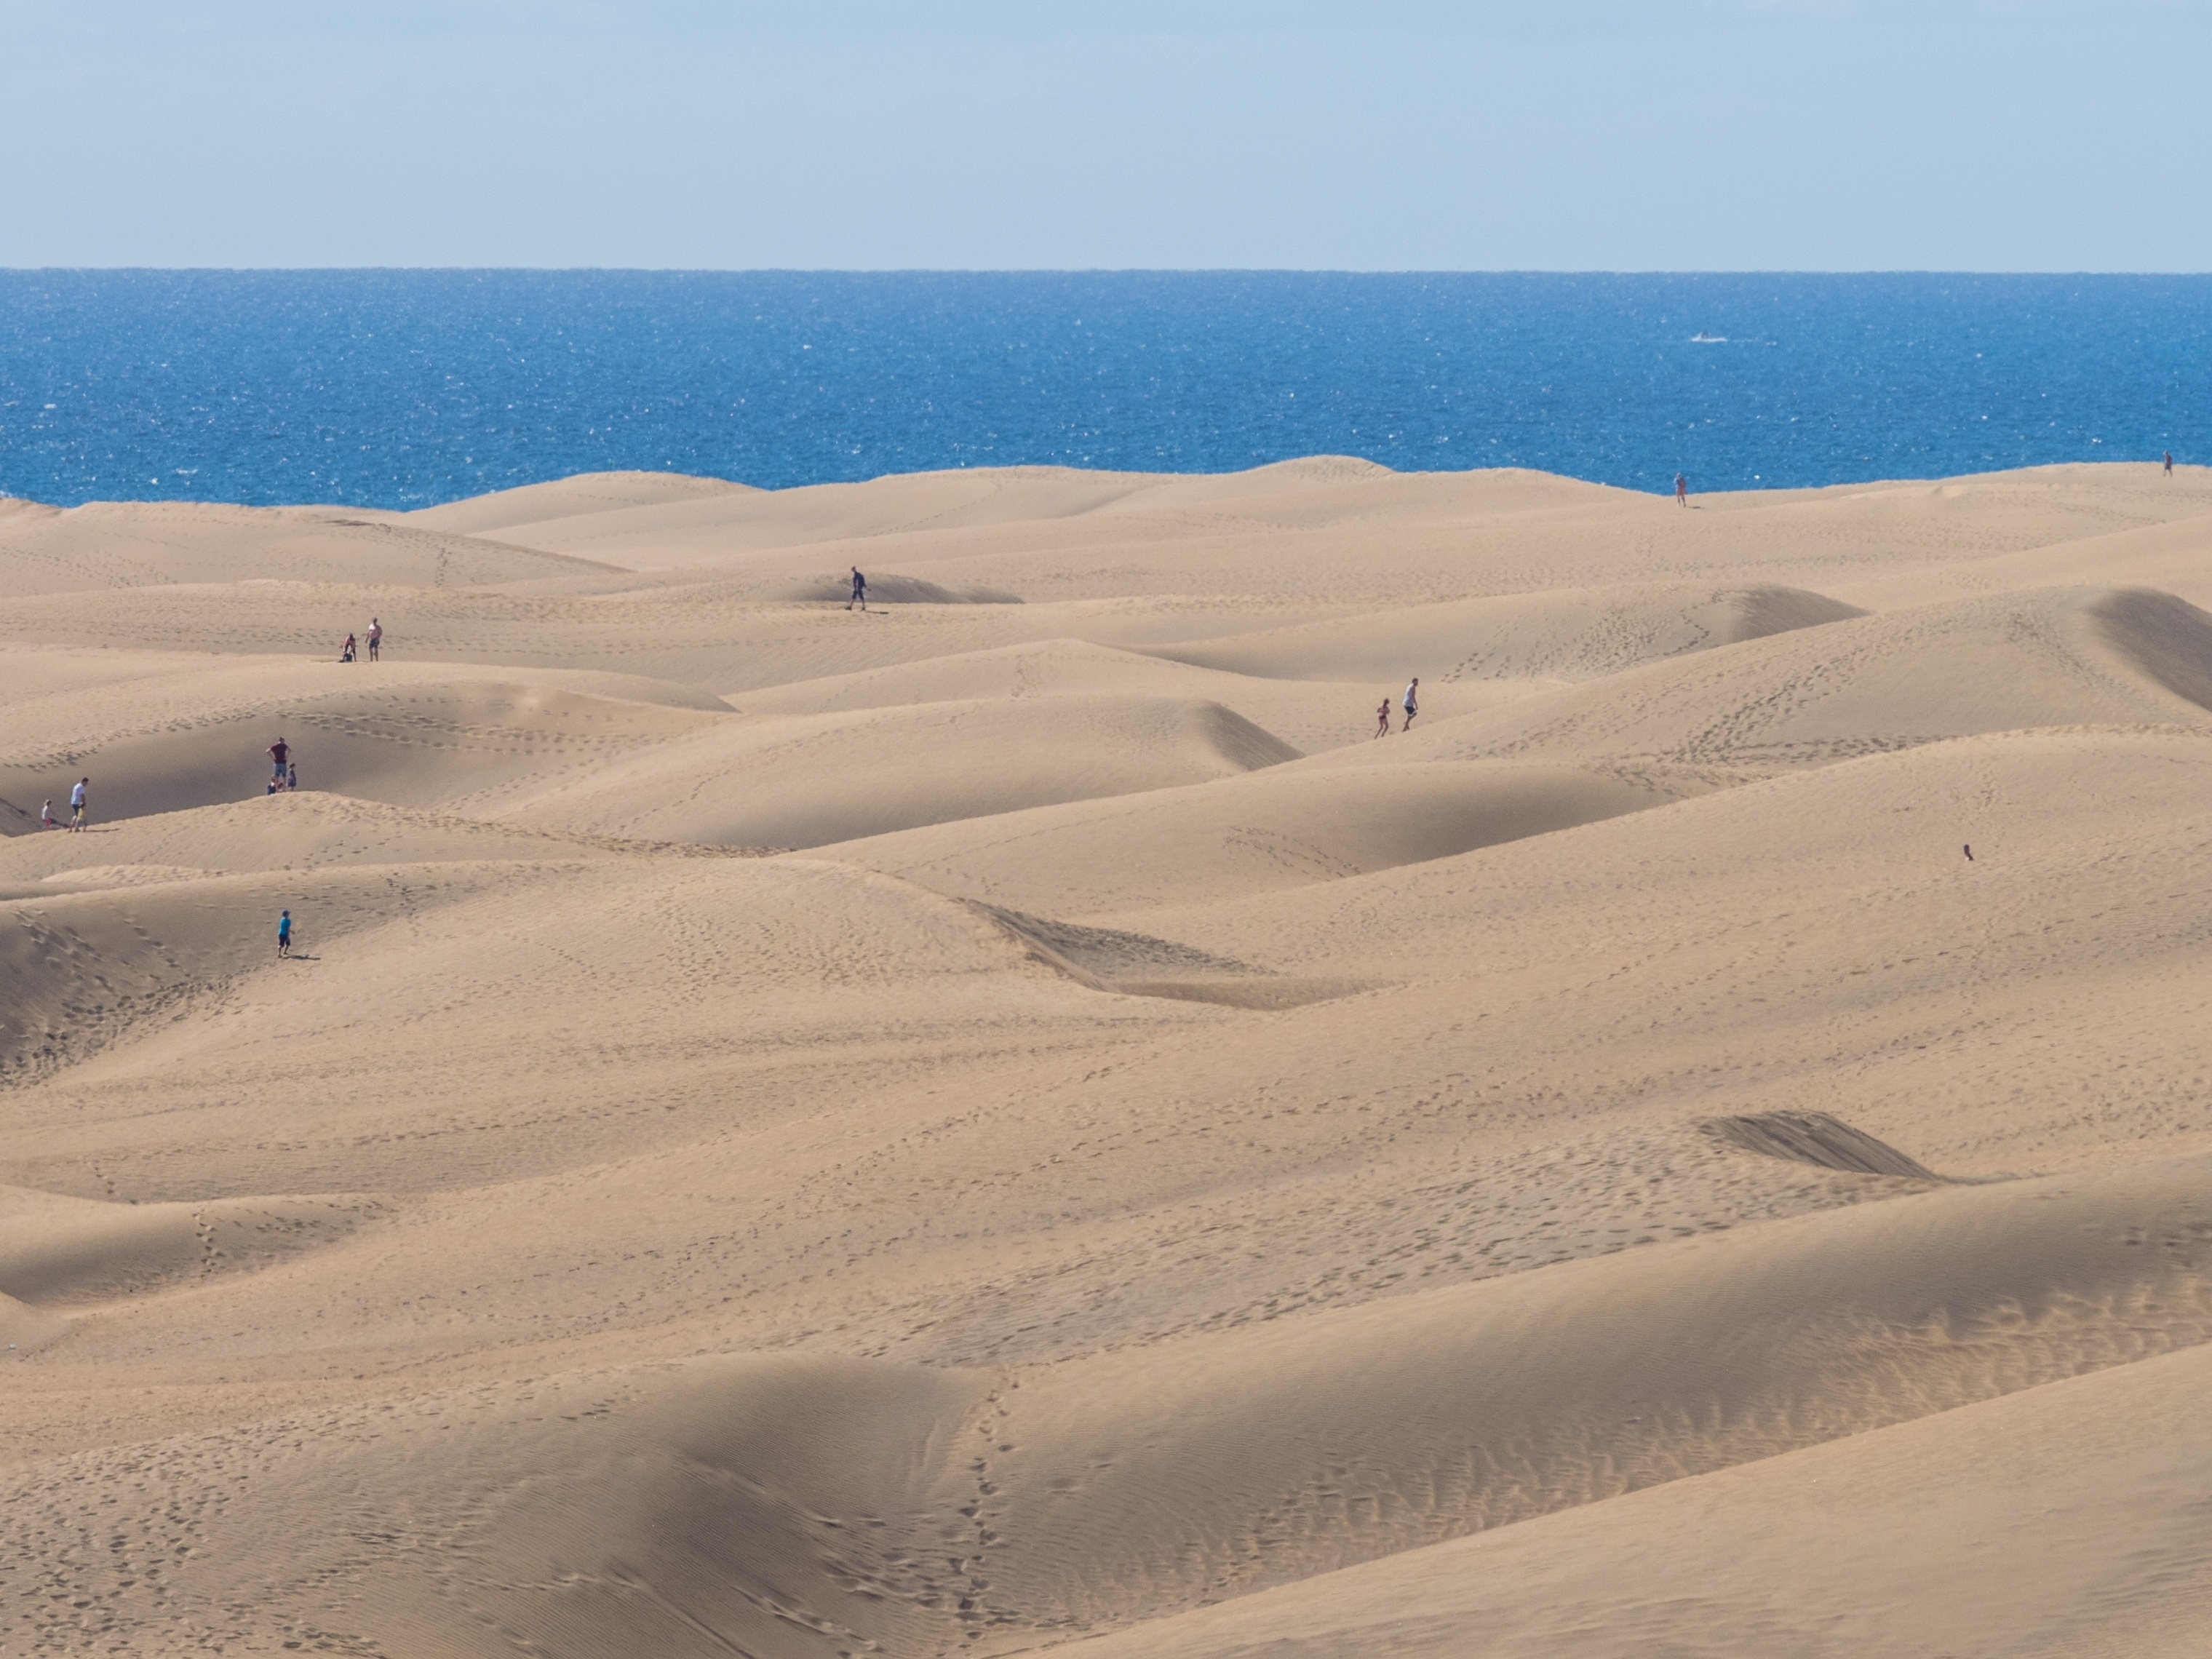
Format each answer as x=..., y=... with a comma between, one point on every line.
x=375, y=637
x=1681, y=491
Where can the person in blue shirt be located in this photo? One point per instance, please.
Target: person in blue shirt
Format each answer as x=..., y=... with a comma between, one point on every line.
x=284, y=934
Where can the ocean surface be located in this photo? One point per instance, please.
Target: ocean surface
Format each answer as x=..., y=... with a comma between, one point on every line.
x=401, y=389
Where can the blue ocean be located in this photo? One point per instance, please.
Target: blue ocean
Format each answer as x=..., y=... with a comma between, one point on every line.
x=402, y=389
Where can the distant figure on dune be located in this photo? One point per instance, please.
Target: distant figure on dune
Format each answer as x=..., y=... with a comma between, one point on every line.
x=291, y=778
x=1681, y=491
x=46, y=816
x=859, y=590
x=76, y=805
x=346, y=651
x=284, y=934
x=1969, y=852
x=277, y=751
x=1382, y=718
x=1413, y=702
x=375, y=637
x=2169, y=463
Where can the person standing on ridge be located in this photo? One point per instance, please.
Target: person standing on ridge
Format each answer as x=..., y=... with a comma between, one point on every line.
x=859, y=590
x=1413, y=702
x=2169, y=463
x=284, y=934
x=1681, y=491
x=375, y=637
x=277, y=751
x=76, y=804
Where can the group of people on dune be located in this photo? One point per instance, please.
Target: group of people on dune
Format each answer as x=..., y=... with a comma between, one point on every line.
x=1413, y=702
x=348, y=651
x=48, y=821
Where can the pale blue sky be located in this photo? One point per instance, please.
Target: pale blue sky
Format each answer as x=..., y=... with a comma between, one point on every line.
x=1833, y=134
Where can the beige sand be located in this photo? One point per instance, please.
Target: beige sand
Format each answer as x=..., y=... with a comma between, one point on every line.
x=1012, y=1122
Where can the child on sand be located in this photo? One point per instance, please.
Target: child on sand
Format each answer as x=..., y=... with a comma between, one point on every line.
x=1382, y=718
x=46, y=816
x=1413, y=702
x=76, y=805
x=284, y=934
x=291, y=778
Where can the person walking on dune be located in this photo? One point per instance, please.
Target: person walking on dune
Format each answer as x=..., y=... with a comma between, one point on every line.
x=284, y=934
x=76, y=804
x=347, y=652
x=1413, y=702
x=375, y=637
x=277, y=751
x=46, y=816
x=1382, y=718
x=2169, y=463
x=859, y=590
x=1681, y=491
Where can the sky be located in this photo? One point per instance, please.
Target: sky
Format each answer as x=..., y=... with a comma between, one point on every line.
x=1384, y=135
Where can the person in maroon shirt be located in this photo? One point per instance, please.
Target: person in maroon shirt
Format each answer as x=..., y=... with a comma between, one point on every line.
x=278, y=751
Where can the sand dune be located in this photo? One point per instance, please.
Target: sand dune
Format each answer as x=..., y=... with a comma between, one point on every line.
x=112, y=544
x=2059, y=657
x=308, y=830
x=162, y=734
x=1562, y=635
x=808, y=780
x=1309, y=715
x=1699, y=1147
x=2058, y=1520
x=1283, y=829
x=788, y=1500
x=512, y=516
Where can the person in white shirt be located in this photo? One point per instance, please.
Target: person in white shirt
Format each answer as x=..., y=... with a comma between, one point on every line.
x=76, y=804
x=1413, y=702
x=46, y=816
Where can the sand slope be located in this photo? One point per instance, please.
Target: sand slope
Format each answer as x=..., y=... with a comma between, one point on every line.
x=1562, y=635
x=2060, y=1520
x=1284, y=828
x=805, y=781
x=1149, y=1166
x=112, y=544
